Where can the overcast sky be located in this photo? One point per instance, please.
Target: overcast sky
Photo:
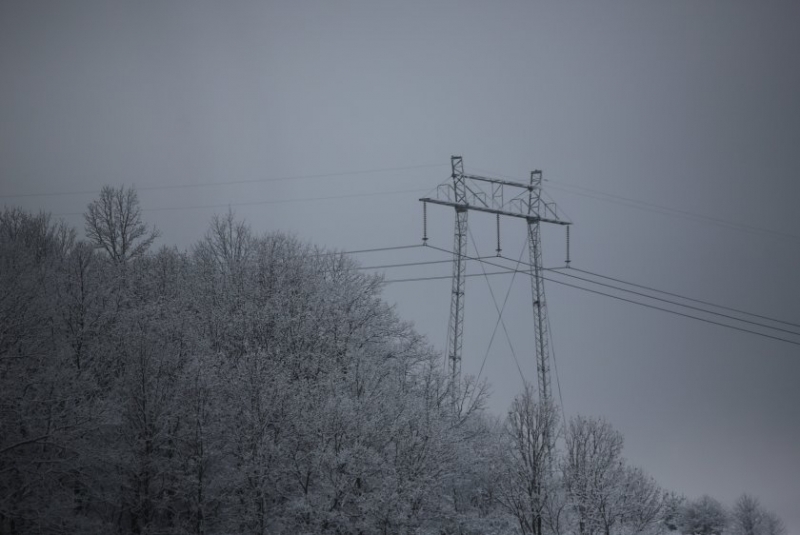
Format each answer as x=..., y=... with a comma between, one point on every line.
x=690, y=106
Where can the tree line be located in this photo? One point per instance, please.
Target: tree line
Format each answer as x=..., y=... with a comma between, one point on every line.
x=257, y=384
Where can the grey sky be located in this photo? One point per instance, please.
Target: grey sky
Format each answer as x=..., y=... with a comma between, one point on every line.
x=687, y=105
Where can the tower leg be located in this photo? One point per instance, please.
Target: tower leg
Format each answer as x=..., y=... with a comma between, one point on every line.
x=456, y=333
x=457, y=298
x=539, y=312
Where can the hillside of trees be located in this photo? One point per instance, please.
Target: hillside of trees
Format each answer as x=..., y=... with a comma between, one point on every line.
x=256, y=384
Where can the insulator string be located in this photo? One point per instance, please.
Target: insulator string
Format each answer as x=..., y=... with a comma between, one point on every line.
x=424, y=223
x=499, y=249
x=568, y=260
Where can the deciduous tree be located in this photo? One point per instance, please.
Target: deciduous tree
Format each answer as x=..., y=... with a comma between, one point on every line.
x=114, y=224
x=703, y=516
x=593, y=471
x=529, y=475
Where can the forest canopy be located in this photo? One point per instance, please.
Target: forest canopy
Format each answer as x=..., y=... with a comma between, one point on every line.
x=258, y=384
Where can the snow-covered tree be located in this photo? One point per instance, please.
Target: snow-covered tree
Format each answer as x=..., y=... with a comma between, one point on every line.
x=749, y=517
x=529, y=475
x=256, y=384
x=703, y=516
x=593, y=471
x=773, y=524
x=640, y=503
x=45, y=403
x=671, y=513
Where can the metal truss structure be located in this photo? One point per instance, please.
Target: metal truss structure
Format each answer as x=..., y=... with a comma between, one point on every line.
x=503, y=198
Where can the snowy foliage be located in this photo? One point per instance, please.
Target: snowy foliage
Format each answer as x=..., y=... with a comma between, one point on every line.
x=703, y=516
x=528, y=479
x=253, y=385
x=748, y=517
x=256, y=384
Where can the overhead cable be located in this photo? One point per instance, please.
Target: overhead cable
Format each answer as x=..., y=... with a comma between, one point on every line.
x=676, y=303
x=678, y=295
x=232, y=182
x=277, y=201
x=670, y=311
x=652, y=207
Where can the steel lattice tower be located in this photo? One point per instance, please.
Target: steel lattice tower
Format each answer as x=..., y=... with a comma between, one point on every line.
x=456, y=334
x=464, y=194
x=537, y=287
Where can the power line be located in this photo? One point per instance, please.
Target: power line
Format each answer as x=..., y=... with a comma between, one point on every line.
x=698, y=318
x=442, y=277
x=665, y=210
x=680, y=296
x=407, y=264
x=555, y=369
x=699, y=309
x=412, y=264
x=373, y=250
x=233, y=182
x=652, y=207
x=690, y=307
x=279, y=201
x=483, y=260
x=509, y=271
x=742, y=329
x=554, y=270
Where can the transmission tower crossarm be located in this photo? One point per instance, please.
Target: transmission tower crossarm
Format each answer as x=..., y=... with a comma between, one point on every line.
x=527, y=217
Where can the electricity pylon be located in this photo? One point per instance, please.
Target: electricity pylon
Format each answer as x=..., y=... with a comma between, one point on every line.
x=465, y=193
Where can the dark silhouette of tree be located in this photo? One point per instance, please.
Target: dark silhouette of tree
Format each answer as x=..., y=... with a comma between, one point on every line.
x=114, y=224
